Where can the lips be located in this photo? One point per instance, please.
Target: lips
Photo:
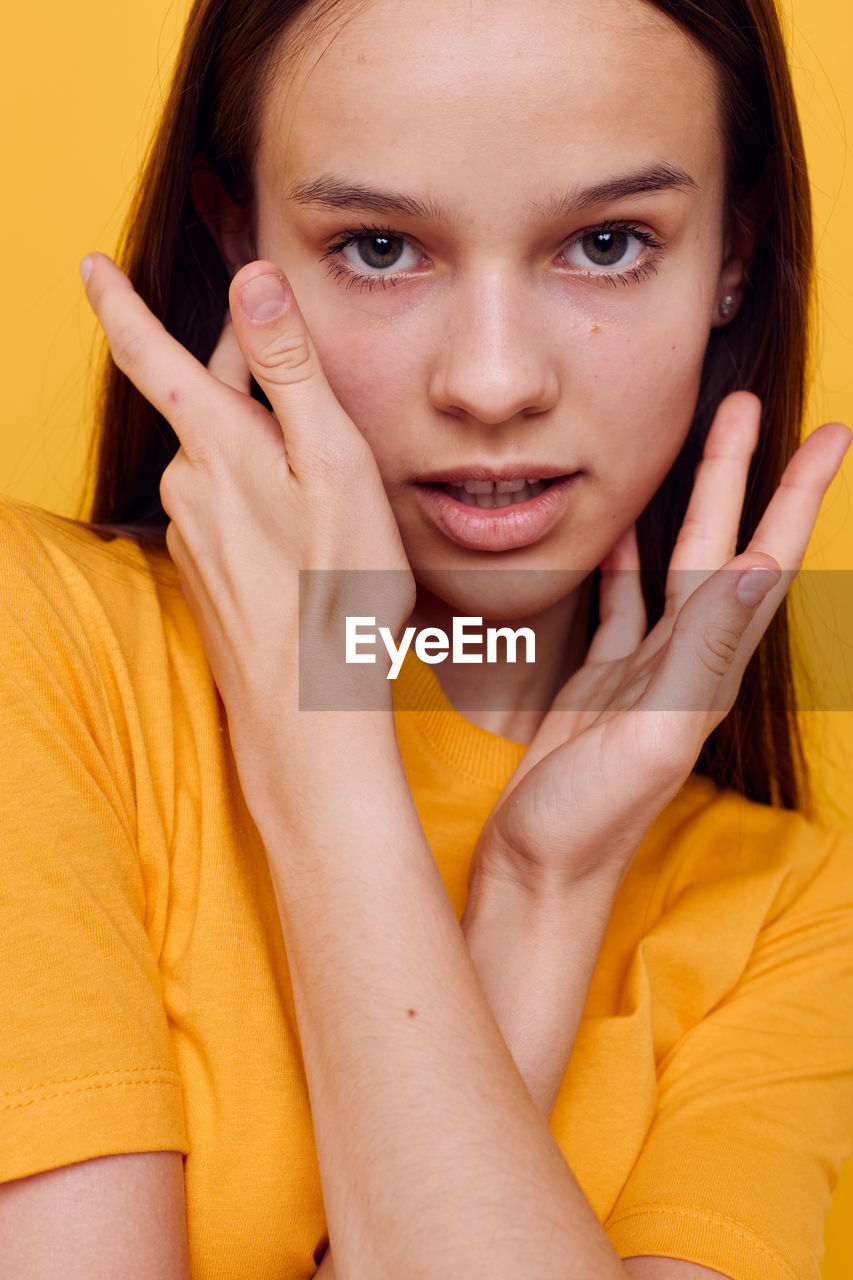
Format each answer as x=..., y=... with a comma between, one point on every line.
x=496, y=512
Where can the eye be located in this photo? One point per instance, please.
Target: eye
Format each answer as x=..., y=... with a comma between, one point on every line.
x=610, y=248
x=378, y=251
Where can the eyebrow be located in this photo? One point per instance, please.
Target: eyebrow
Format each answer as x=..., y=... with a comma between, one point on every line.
x=661, y=177
x=330, y=192
x=336, y=193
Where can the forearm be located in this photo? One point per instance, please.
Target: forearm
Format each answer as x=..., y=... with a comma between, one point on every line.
x=535, y=961
x=535, y=957
x=434, y=1158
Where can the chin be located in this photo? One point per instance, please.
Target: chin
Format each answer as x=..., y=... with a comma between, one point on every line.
x=496, y=595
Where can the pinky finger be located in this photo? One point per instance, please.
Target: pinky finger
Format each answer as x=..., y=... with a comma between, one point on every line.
x=621, y=608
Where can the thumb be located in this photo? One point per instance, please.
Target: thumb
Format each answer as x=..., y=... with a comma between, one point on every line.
x=716, y=632
x=280, y=354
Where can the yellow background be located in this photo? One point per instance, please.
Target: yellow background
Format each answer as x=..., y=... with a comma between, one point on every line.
x=79, y=93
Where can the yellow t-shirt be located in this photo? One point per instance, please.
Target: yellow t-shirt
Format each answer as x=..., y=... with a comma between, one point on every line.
x=146, y=1002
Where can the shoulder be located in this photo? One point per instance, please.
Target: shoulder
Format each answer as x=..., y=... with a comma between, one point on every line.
x=40, y=550
x=724, y=887
x=718, y=842
x=740, y=981
x=98, y=648
x=101, y=597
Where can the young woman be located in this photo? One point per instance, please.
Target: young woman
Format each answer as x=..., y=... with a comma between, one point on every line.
x=558, y=987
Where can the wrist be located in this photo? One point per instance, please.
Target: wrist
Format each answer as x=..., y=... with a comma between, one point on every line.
x=543, y=898
x=315, y=763
x=548, y=879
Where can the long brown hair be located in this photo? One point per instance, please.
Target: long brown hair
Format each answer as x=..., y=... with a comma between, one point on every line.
x=212, y=112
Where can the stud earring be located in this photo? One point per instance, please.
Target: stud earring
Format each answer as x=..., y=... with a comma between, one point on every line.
x=727, y=306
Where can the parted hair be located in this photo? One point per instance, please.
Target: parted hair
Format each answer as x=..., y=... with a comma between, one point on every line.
x=231, y=49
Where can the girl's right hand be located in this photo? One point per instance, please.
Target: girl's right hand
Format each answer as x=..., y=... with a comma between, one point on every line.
x=626, y=730
x=258, y=498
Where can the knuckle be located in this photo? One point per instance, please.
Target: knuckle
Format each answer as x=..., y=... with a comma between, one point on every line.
x=207, y=454
x=327, y=461
x=717, y=648
x=333, y=458
x=171, y=539
x=202, y=451
x=286, y=358
x=170, y=490
x=126, y=345
x=692, y=526
x=180, y=479
x=328, y=464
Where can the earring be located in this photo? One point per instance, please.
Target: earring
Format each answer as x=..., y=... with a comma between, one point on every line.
x=727, y=306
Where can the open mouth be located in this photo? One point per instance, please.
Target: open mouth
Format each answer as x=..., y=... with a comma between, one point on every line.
x=496, y=493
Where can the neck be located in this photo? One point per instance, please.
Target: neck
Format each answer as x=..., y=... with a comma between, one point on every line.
x=512, y=698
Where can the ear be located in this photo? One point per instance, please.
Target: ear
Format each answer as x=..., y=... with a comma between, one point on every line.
x=228, y=222
x=738, y=252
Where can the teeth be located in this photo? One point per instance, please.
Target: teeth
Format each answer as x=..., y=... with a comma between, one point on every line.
x=491, y=494
x=495, y=486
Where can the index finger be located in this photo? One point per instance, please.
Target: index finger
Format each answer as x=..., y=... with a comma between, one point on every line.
x=786, y=526
x=170, y=377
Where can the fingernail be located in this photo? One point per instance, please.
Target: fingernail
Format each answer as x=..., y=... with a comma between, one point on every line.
x=753, y=585
x=86, y=267
x=264, y=298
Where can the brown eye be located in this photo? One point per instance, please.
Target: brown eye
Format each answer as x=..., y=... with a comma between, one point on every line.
x=380, y=250
x=605, y=248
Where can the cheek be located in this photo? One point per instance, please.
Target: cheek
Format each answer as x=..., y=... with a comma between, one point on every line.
x=645, y=382
x=376, y=375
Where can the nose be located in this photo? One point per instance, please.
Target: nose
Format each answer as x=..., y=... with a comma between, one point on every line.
x=494, y=363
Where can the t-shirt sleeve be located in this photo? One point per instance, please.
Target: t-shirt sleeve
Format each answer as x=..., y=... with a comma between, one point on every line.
x=86, y=1064
x=755, y=1103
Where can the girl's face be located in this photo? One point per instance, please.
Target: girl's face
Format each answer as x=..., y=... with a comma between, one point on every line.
x=503, y=221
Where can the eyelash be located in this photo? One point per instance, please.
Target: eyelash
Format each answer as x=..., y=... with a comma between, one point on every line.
x=350, y=278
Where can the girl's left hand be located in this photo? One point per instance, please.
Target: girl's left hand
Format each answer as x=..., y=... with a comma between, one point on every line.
x=256, y=497
x=626, y=730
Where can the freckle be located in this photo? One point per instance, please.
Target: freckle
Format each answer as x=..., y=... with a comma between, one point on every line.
x=411, y=1012
x=173, y=396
